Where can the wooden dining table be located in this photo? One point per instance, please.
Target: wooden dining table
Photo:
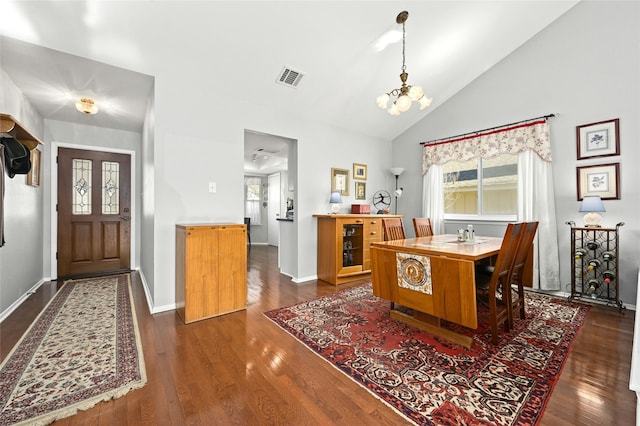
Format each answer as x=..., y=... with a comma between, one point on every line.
x=434, y=277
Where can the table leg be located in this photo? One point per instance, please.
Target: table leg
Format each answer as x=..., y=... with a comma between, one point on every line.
x=432, y=325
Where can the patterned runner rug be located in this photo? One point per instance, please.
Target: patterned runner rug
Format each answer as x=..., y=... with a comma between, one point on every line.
x=82, y=349
x=434, y=382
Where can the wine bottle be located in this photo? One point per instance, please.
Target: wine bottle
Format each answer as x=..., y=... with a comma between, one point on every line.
x=593, y=287
x=608, y=276
x=608, y=256
x=594, y=263
x=593, y=245
x=580, y=253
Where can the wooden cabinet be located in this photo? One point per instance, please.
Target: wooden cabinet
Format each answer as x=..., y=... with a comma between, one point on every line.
x=211, y=270
x=343, y=245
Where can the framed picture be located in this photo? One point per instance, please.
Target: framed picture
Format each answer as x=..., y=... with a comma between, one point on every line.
x=602, y=180
x=33, y=177
x=359, y=171
x=598, y=139
x=340, y=181
x=361, y=191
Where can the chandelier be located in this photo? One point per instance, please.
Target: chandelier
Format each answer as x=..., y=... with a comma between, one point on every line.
x=87, y=106
x=406, y=94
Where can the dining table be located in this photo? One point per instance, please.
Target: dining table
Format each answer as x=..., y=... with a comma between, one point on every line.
x=434, y=277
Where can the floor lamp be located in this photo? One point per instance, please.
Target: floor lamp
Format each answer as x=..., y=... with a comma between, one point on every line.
x=397, y=171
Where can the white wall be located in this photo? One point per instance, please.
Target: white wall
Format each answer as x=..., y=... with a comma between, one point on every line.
x=585, y=66
x=21, y=257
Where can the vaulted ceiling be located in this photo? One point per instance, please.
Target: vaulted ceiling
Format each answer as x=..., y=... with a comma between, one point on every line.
x=58, y=51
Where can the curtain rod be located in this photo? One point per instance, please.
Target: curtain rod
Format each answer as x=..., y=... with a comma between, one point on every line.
x=490, y=128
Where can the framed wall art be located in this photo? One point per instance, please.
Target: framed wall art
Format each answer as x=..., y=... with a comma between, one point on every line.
x=33, y=177
x=340, y=181
x=361, y=191
x=359, y=171
x=602, y=180
x=598, y=139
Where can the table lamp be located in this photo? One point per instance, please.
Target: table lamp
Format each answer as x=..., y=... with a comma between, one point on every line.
x=592, y=205
x=335, y=202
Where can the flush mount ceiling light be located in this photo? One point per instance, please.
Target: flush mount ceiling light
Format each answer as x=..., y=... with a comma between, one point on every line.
x=87, y=106
x=405, y=94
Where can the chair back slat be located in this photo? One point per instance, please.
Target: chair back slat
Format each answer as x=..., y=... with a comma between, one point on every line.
x=393, y=229
x=422, y=226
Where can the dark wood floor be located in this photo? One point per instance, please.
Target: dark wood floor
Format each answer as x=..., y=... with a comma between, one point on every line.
x=241, y=369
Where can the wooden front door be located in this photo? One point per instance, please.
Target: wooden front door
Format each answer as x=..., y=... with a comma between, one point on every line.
x=94, y=212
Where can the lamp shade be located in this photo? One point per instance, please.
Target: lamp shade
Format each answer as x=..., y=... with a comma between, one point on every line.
x=396, y=171
x=335, y=198
x=592, y=203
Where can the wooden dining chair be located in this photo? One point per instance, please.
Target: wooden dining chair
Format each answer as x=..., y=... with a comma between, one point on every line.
x=393, y=229
x=517, y=275
x=496, y=287
x=422, y=226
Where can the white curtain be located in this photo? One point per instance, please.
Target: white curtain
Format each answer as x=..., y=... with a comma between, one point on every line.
x=433, y=198
x=536, y=203
x=535, y=186
x=252, y=208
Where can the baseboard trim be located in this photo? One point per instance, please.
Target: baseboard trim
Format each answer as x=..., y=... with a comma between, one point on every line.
x=22, y=298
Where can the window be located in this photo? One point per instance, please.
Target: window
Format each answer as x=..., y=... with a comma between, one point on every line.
x=252, y=199
x=484, y=188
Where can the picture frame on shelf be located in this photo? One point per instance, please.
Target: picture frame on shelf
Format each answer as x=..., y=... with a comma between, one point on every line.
x=359, y=171
x=602, y=180
x=361, y=190
x=340, y=181
x=600, y=139
x=33, y=177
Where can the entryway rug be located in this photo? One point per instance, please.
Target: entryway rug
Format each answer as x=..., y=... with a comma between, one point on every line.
x=431, y=381
x=83, y=348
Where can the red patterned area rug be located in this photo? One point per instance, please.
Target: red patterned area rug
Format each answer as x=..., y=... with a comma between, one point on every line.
x=429, y=380
x=82, y=349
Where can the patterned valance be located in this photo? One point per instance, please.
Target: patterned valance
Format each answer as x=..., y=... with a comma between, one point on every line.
x=509, y=140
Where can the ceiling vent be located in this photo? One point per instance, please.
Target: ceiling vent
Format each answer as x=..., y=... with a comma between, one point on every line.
x=289, y=77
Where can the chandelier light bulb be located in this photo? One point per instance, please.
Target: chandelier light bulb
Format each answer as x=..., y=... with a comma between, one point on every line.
x=393, y=110
x=415, y=93
x=383, y=100
x=403, y=103
x=425, y=102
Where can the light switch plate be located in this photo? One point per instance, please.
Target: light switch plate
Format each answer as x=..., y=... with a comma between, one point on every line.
x=212, y=187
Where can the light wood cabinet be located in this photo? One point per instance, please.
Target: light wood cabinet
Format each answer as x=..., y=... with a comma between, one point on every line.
x=343, y=245
x=211, y=270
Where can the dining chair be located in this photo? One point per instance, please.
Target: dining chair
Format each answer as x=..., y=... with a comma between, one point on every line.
x=422, y=226
x=517, y=274
x=393, y=229
x=496, y=287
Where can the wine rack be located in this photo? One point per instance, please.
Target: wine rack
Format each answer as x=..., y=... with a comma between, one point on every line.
x=594, y=262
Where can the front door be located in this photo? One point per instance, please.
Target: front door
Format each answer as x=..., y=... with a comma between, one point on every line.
x=94, y=212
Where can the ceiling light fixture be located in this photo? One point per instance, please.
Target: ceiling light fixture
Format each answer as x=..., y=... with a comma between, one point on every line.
x=87, y=106
x=405, y=94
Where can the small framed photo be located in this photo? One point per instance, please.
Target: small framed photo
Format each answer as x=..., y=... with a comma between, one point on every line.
x=598, y=139
x=361, y=191
x=340, y=181
x=33, y=177
x=359, y=171
x=602, y=180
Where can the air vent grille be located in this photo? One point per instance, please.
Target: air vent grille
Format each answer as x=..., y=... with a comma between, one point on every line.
x=289, y=77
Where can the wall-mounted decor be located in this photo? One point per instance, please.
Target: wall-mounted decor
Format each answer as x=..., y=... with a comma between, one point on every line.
x=598, y=139
x=340, y=181
x=359, y=171
x=602, y=180
x=33, y=177
x=361, y=191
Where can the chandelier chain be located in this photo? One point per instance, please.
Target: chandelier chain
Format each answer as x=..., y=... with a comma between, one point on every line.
x=404, y=67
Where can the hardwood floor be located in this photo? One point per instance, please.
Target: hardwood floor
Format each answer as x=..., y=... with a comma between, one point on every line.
x=241, y=369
